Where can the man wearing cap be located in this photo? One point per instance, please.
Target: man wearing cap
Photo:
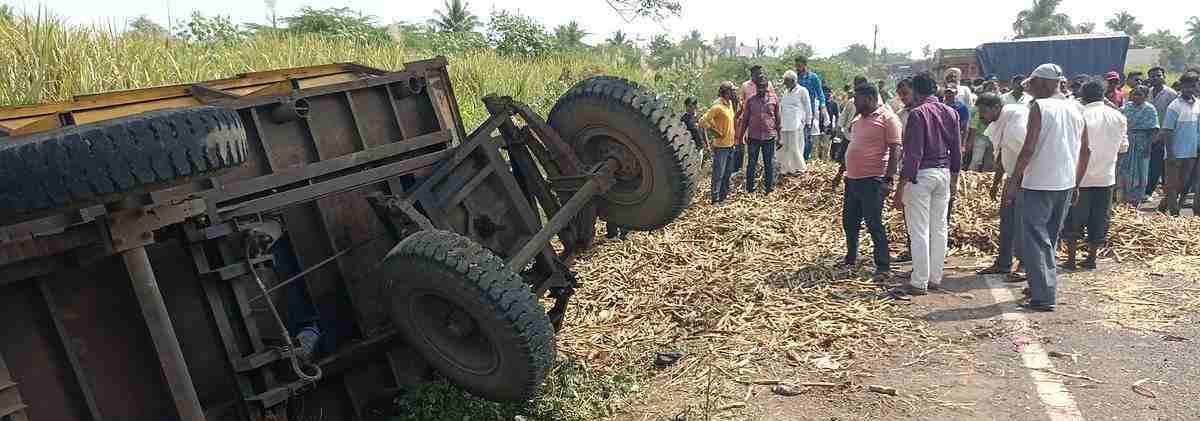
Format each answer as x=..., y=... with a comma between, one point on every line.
x=962, y=93
x=1114, y=94
x=1045, y=180
x=1017, y=95
x=1161, y=96
x=932, y=157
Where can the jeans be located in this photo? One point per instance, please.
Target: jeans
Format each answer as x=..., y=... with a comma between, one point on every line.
x=1042, y=214
x=722, y=168
x=301, y=313
x=1180, y=174
x=739, y=153
x=864, y=202
x=926, y=206
x=1092, y=214
x=1009, y=231
x=766, y=148
x=1157, y=156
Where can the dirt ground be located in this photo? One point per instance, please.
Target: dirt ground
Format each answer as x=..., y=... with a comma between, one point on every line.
x=1117, y=327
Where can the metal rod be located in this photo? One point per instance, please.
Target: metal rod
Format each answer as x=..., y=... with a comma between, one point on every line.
x=560, y=220
x=162, y=333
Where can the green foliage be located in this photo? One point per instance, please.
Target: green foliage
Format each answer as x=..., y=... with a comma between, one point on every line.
x=663, y=52
x=1042, y=19
x=514, y=34
x=569, y=36
x=203, y=29
x=336, y=22
x=418, y=37
x=455, y=17
x=143, y=26
x=6, y=14
x=856, y=54
x=1124, y=22
x=1176, y=54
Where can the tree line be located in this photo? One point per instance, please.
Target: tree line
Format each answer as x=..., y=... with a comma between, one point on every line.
x=1044, y=19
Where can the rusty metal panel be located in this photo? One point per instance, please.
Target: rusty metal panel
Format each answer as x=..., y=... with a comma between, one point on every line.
x=288, y=144
x=373, y=110
x=112, y=343
x=416, y=115
x=194, y=325
x=332, y=126
x=34, y=355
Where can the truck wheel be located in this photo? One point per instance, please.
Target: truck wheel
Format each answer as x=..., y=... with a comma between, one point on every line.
x=475, y=321
x=95, y=162
x=607, y=117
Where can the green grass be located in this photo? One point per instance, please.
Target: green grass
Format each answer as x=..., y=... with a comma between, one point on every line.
x=44, y=59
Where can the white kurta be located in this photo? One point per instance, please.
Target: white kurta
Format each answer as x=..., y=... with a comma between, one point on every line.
x=795, y=110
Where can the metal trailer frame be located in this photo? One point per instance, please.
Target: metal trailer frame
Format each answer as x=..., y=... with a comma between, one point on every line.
x=143, y=309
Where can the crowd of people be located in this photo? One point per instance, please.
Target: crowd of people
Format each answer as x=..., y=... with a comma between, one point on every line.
x=1063, y=152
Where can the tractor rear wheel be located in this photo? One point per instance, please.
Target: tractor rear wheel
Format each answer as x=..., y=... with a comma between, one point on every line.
x=96, y=162
x=608, y=118
x=472, y=319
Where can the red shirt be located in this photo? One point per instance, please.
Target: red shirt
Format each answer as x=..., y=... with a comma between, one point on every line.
x=760, y=118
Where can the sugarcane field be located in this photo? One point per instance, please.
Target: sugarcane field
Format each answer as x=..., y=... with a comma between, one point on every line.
x=619, y=210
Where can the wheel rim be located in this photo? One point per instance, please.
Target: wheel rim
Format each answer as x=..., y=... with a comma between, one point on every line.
x=633, y=180
x=453, y=333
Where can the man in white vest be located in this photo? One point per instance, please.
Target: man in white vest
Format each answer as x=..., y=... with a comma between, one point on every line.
x=1046, y=180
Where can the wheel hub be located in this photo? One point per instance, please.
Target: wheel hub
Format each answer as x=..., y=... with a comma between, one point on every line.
x=453, y=333
x=633, y=177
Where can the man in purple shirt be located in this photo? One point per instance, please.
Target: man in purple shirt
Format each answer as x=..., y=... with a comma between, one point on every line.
x=928, y=179
x=759, y=122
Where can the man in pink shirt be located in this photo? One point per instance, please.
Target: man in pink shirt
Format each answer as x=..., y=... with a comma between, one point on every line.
x=872, y=159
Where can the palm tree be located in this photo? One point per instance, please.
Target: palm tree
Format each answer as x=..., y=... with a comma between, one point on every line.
x=455, y=18
x=570, y=36
x=1124, y=22
x=618, y=39
x=1193, y=31
x=1042, y=19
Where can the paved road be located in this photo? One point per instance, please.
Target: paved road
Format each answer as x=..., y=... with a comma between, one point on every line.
x=982, y=372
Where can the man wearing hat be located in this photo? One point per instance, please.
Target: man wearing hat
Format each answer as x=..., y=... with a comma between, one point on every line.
x=1114, y=94
x=1046, y=179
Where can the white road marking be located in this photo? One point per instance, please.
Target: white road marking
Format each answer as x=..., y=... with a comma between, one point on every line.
x=1060, y=405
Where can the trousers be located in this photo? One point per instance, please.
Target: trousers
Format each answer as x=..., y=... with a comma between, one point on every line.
x=864, y=203
x=1042, y=214
x=926, y=207
x=765, y=149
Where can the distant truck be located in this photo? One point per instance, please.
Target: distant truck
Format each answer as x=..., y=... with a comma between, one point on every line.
x=1092, y=54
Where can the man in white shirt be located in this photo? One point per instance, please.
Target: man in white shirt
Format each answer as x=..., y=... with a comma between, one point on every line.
x=1045, y=180
x=1017, y=95
x=963, y=93
x=795, y=109
x=1006, y=130
x=1107, y=136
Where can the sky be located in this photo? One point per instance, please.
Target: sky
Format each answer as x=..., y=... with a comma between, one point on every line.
x=829, y=26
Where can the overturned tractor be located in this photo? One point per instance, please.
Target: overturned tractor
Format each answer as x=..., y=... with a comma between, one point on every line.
x=307, y=241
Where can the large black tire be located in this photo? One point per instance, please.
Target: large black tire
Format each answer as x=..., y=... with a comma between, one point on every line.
x=473, y=320
x=96, y=162
x=608, y=116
